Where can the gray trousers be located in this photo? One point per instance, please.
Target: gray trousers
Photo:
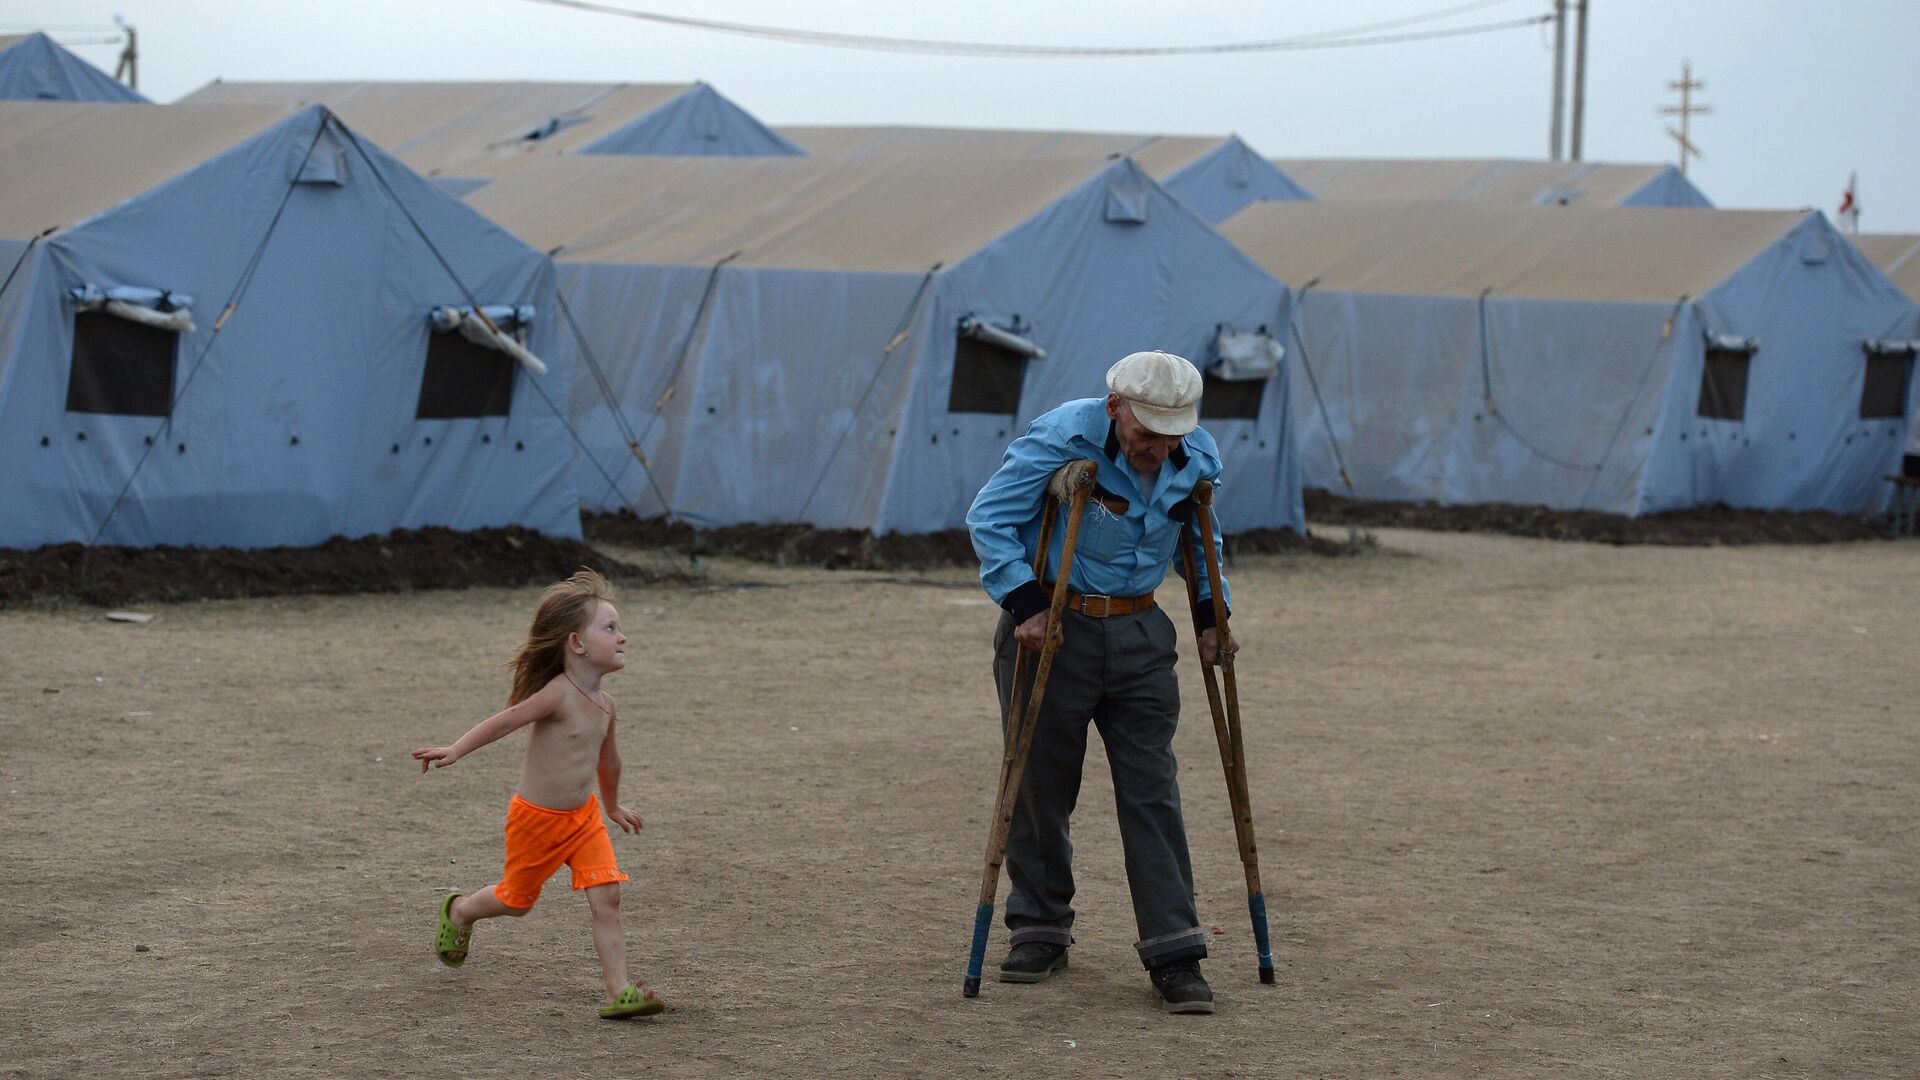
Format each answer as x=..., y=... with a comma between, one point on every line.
x=1118, y=673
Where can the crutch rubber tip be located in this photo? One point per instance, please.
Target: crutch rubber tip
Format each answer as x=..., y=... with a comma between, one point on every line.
x=972, y=989
x=1266, y=975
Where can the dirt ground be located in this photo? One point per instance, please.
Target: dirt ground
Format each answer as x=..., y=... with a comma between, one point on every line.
x=1526, y=808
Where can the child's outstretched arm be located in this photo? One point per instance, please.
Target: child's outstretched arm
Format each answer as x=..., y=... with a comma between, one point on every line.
x=609, y=765
x=538, y=707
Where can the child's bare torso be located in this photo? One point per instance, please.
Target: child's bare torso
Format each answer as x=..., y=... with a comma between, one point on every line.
x=563, y=751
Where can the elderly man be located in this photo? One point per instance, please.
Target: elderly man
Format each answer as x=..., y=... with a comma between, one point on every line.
x=1115, y=664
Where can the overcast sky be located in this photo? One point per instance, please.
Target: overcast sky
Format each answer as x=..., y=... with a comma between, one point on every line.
x=1802, y=93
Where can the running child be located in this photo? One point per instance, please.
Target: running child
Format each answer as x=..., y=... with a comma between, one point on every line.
x=554, y=818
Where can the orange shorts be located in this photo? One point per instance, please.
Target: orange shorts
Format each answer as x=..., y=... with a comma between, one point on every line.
x=539, y=840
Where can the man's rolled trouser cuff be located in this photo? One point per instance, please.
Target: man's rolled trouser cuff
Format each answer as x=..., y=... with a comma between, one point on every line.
x=1052, y=935
x=1167, y=948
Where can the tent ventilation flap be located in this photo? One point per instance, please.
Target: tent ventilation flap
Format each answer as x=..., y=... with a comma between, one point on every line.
x=548, y=128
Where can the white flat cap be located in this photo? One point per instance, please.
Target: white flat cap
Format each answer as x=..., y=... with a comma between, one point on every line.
x=1163, y=389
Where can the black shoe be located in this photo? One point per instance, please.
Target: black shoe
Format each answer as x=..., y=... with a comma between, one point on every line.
x=1182, y=990
x=1032, y=962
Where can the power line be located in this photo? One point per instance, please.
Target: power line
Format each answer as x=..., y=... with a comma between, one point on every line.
x=26, y=28
x=1329, y=39
x=1394, y=24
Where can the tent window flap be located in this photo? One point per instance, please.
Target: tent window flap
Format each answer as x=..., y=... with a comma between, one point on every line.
x=464, y=380
x=1883, y=396
x=1723, y=378
x=989, y=366
x=986, y=378
x=1237, y=399
x=126, y=344
x=121, y=367
x=471, y=360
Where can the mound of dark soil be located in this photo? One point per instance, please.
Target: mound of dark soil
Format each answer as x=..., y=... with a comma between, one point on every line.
x=434, y=558
x=786, y=545
x=852, y=549
x=1697, y=527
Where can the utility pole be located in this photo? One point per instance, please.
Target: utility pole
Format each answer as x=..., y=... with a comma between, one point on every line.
x=129, y=66
x=1686, y=110
x=1580, y=76
x=1559, y=76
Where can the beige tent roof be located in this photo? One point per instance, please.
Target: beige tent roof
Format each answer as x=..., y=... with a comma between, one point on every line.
x=61, y=161
x=8, y=41
x=1460, y=249
x=462, y=129
x=1514, y=183
x=1159, y=155
x=890, y=215
x=1897, y=255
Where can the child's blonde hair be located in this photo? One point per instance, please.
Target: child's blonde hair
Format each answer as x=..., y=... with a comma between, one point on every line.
x=564, y=609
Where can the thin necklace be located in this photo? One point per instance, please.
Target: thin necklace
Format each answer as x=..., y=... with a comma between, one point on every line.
x=589, y=697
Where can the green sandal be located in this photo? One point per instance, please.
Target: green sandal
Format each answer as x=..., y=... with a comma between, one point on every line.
x=451, y=938
x=633, y=1001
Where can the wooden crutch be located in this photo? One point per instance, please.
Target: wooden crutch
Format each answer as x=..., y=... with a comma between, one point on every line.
x=1074, y=483
x=1226, y=721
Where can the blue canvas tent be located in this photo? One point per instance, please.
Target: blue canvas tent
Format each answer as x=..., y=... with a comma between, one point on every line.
x=851, y=343
x=1503, y=182
x=240, y=326
x=1613, y=359
x=463, y=134
x=1213, y=175
x=37, y=68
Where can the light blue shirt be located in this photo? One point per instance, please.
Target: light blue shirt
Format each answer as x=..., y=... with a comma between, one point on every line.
x=1117, y=554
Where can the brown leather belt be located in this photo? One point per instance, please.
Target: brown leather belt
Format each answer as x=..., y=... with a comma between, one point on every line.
x=1096, y=606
